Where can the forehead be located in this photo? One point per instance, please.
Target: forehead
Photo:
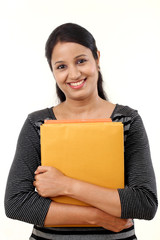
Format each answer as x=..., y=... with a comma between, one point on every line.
x=64, y=50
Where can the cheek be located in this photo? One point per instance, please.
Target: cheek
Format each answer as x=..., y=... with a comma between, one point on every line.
x=59, y=77
x=93, y=72
x=92, y=69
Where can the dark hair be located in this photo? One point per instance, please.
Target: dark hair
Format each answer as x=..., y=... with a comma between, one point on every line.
x=71, y=32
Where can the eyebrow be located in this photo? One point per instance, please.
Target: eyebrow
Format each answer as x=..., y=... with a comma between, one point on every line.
x=81, y=55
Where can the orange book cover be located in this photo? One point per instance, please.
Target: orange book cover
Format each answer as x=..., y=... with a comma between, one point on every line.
x=88, y=150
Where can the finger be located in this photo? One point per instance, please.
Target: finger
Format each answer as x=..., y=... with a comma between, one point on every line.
x=41, y=169
x=129, y=223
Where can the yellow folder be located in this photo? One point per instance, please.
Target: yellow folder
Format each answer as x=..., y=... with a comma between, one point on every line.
x=88, y=150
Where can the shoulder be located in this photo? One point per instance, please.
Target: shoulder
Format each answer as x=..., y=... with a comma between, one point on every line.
x=129, y=117
x=36, y=118
x=124, y=114
x=40, y=115
x=124, y=111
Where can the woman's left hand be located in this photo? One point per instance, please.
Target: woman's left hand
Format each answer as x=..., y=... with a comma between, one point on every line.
x=50, y=182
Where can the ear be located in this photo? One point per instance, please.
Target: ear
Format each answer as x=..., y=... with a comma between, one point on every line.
x=98, y=59
x=98, y=55
x=53, y=74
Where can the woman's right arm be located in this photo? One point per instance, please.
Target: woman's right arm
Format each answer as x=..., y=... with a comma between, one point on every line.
x=65, y=214
x=22, y=202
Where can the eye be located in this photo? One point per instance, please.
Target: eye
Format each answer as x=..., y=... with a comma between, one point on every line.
x=81, y=61
x=62, y=66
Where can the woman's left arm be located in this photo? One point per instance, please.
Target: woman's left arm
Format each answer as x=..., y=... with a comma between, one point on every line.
x=105, y=199
x=139, y=197
x=137, y=200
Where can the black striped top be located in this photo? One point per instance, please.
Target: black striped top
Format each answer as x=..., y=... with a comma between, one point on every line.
x=138, y=198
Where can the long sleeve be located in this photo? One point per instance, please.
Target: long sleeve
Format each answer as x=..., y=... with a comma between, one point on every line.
x=139, y=197
x=22, y=202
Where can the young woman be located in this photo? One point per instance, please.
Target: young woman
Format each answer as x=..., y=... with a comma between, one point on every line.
x=74, y=60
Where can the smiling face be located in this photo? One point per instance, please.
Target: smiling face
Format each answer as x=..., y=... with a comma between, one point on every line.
x=75, y=70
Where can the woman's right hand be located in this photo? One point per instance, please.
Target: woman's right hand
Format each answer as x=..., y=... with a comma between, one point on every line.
x=112, y=223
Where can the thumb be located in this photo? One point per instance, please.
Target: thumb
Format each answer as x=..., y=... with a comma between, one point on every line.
x=41, y=169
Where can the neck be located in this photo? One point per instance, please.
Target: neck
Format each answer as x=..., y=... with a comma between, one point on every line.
x=82, y=108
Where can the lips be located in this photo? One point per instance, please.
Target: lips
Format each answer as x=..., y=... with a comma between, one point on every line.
x=77, y=84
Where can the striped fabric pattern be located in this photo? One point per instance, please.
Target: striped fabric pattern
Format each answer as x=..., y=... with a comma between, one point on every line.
x=138, y=199
x=77, y=234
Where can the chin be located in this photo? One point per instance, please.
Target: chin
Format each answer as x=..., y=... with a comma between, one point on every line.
x=81, y=97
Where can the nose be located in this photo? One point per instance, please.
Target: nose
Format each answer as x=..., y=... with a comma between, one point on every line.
x=74, y=73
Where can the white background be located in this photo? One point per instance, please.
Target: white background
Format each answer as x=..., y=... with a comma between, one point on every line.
x=128, y=36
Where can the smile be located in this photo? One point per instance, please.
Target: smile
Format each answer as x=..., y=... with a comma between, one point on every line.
x=78, y=84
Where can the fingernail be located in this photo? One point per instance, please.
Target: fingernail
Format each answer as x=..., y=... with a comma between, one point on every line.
x=130, y=224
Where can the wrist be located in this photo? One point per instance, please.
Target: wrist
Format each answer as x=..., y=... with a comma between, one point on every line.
x=103, y=218
x=94, y=216
x=71, y=186
x=67, y=191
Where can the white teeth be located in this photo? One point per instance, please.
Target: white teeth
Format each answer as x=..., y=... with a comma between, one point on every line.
x=77, y=83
